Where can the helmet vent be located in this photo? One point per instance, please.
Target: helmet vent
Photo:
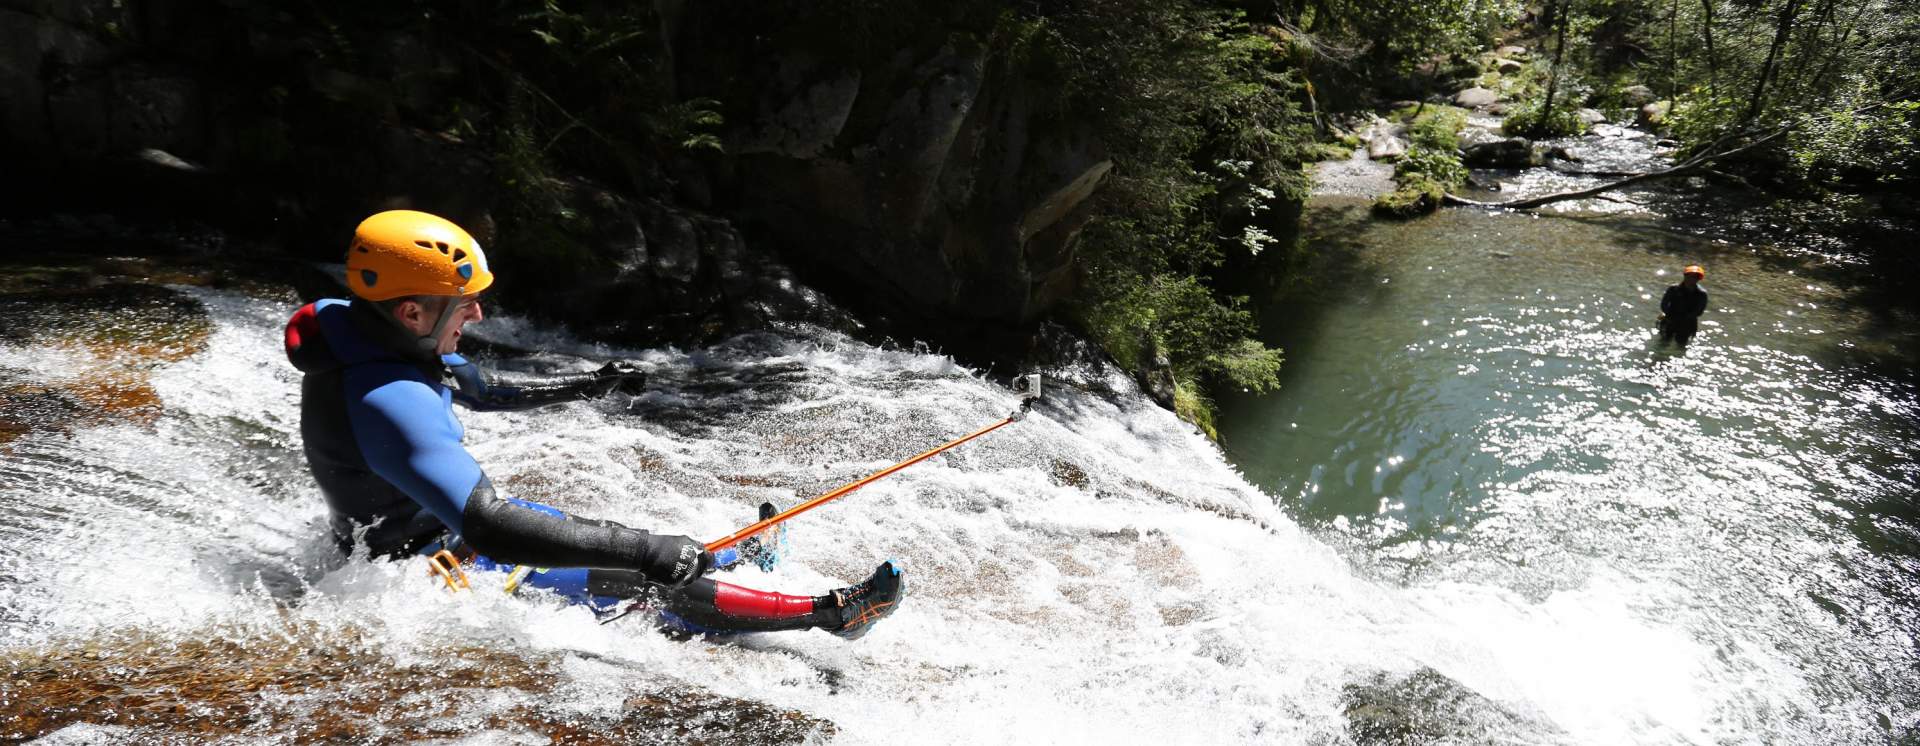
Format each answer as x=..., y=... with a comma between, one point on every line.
x=362, y=248
x=459, y=254
x=424, y=244
x=369, y=277
x=442, y=245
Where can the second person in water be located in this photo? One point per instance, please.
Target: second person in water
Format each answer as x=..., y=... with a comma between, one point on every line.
x=1681, y=306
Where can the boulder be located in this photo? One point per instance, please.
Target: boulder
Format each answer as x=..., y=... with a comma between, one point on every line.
x=1508, y=66
x=1637, y=95
x=1564, y=153
x=1426, y=706
x=1510, y=152
x=1512, y=51
x=1653, y=115
x=1591, y=116
x=1475, y=97
x=1385, y=147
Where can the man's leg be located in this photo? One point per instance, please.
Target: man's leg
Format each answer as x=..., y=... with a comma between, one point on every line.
x=709, y=606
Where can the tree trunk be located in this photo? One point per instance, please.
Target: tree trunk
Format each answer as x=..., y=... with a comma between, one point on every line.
x=1839, y=47
x=1810, y=44
x=1781, y=30
x=1713, y=62
x=1559, y=51
x=1673, y=55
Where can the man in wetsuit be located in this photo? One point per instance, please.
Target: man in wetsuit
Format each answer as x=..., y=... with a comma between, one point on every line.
x=1682, y=305
x=376, y=416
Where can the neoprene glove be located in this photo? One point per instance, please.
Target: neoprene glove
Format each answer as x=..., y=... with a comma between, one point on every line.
x=621, y=376
x=675, y=561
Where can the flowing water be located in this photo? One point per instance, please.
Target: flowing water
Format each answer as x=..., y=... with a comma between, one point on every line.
x=1524, y=523
x=1095, y=572
x=1723, y=541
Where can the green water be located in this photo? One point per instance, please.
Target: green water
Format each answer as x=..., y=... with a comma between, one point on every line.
x=1480, y=397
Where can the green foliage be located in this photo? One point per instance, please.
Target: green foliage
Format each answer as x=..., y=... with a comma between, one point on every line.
x=1442, y=166
x=1528, y=119
x=1843, y=147
x=1398, y=36
x=1434, y=126
x=1191, y=403
x=1181, y=318
x=1250, y=364
x=1199, y=111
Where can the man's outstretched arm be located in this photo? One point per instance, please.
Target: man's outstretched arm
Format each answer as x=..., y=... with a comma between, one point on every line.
x=476, y=393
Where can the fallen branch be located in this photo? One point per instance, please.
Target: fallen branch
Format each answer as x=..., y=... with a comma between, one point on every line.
x=1681, y=169
x=1696, y=163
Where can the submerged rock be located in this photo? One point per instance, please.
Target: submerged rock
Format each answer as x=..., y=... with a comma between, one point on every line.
x=121, y=329
x=1510, y=152
x=1426, y=707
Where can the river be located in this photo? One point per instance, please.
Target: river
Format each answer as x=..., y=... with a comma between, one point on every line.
x=1475, y=403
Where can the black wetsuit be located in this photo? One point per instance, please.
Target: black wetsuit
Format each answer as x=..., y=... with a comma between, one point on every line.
x=380, y=437
x=1680, y=310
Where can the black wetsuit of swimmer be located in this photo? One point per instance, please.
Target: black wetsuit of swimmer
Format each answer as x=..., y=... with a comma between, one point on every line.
x=381, y=439
x=1680, y=310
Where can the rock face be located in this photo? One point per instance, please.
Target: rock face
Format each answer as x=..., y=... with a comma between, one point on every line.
x=1510, y=152
x=1475, y=97
x=928, y=180
x=934, y=178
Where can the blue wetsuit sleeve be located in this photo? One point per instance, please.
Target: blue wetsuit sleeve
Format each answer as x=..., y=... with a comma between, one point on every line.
x=409, y=440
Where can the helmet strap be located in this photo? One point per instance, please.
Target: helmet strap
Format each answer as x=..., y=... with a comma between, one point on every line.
x=430, y=343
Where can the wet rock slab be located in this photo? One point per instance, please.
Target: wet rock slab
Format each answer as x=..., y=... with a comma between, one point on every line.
x=310, y=685
x=1426, y=707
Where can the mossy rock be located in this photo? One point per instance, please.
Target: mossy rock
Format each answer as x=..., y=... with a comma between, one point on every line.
x=1418, y=195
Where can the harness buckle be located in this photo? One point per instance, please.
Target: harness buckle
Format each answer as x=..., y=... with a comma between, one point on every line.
x=443, y=565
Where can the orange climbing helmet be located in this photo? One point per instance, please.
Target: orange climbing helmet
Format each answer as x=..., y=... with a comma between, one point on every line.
x=1695, y=270
x=398, y=253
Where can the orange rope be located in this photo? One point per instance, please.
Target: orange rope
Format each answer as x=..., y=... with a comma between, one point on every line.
x=742, y=534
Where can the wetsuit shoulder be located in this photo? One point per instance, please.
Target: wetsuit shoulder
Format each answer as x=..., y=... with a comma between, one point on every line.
x=406, y=431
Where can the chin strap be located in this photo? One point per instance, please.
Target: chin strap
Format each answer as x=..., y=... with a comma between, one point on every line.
x=430, y=343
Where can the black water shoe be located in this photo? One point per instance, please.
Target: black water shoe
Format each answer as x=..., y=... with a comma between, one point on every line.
x=864, y=605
